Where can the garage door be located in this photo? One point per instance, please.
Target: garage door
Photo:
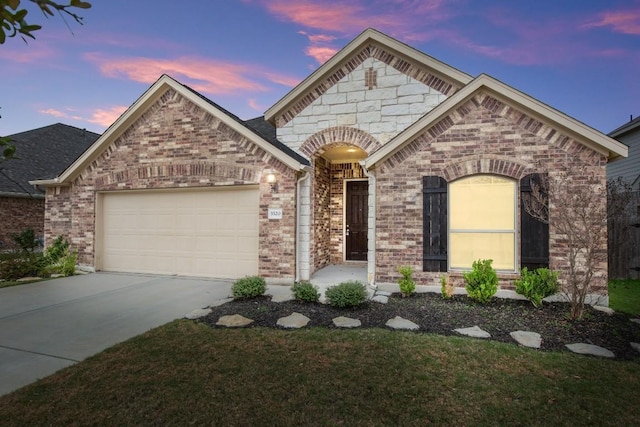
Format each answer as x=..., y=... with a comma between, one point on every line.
x=192, y=233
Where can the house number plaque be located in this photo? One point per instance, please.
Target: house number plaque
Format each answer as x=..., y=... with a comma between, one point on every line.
x=274, y=214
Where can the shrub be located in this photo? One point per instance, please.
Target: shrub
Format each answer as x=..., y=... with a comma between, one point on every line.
x=446, y=287
x=537, y=285
x=482, y=281
x=407, y=285
x=249, y=287
x=57, y=249
x=65, y=265
x=26, y=240
x=346, y=294
x=21, y=265
x=305, y=291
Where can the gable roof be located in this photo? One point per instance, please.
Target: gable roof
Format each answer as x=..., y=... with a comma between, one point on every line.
x=400, y=54
x=576, y=129
x=625, y=128
x=150, y=96
x=42, y=153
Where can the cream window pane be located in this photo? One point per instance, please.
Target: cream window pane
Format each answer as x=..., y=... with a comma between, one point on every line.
x=468, y=247
x=482, y=202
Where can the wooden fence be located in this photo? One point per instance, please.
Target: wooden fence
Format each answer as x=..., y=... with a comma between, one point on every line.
x=624, y=242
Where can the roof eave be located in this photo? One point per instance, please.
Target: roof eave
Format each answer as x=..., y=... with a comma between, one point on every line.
x=583, y=133
x=137, y=109
x=364, y=38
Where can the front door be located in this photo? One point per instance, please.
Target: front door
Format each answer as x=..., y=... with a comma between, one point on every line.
x=356, y=220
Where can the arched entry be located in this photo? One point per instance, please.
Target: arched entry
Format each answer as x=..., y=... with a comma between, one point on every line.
x=338, y=194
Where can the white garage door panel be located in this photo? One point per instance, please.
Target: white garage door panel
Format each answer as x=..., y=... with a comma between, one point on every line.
x=194, y=233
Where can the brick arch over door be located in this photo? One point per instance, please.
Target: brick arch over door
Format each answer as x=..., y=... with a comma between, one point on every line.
x=486, y=165
x=340, y=134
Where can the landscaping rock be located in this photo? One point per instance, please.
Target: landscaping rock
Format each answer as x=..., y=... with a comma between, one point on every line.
x=282, y=297
x=293, y=321
x=382, y=299
x=346, y=322
x=604, y=309
x=635, y=321
x=474, y=332
x=590, y=349
x=383, y=293
x=400, y=323
x=635, y=346
x=198, y=313
x=28, y=279
x=234, y=321
x=527, y=339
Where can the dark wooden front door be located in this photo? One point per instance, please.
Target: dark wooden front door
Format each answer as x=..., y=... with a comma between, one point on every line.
x=356, y=220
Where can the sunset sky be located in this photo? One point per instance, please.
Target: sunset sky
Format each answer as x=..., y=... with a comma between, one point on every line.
x=579, y=56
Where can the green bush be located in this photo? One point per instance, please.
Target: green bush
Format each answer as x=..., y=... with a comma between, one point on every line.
x=17, y=266
x=482, y=281
x=57, y=249
x=305, y=291
x=26, y=240
x=65, y=265
x=407, y=285
x=249, y=287
x=346, y=294
x=537, y=285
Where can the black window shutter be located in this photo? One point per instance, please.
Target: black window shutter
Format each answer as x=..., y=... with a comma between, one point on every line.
x=534, y=234
x=434, y=208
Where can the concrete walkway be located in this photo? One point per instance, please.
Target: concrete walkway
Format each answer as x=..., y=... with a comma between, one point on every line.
x=47, y=326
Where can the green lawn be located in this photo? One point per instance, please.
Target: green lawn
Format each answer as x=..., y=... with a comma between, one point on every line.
x=624, y=296
x=187, y=373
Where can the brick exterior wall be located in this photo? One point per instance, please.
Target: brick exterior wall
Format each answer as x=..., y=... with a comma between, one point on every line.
x=19, y=214
x=176, y=144
x=482, y=136
x=321, y=214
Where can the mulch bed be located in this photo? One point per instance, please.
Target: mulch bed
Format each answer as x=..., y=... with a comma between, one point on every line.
x=439, y=316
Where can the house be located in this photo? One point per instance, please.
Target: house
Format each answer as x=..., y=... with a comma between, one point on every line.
x=41, y=153
x=374, y=158
x=629, y=168
x=624, y=231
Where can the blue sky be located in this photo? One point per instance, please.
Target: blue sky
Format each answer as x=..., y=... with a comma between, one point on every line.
x=579, y=56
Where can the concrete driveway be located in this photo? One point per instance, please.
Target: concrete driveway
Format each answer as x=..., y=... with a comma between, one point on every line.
x=47, y=326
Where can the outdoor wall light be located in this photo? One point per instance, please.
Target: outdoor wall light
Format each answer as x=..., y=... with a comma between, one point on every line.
x=273, y=182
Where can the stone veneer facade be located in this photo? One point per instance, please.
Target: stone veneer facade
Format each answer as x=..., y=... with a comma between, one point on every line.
x=381, y=111
x=484, y=135
x=19, y=214
x=174, y=145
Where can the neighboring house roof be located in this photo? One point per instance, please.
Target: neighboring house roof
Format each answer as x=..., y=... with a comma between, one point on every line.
x=41, y=153
x=578, y=130
x=404, y=57
x=151, y=95
x=626, y=128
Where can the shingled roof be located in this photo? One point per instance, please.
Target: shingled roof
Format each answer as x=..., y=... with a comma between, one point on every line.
x=42, y=153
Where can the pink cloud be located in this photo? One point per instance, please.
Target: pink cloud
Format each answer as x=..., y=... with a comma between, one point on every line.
x=106, y=117
x=625, y=22
x=28, y=54
x=320, y=53
x=53, y=112
x=254, y=105
x=204, y=75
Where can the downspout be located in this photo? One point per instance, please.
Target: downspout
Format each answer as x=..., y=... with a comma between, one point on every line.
x=371, y=227
x=305, y=176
